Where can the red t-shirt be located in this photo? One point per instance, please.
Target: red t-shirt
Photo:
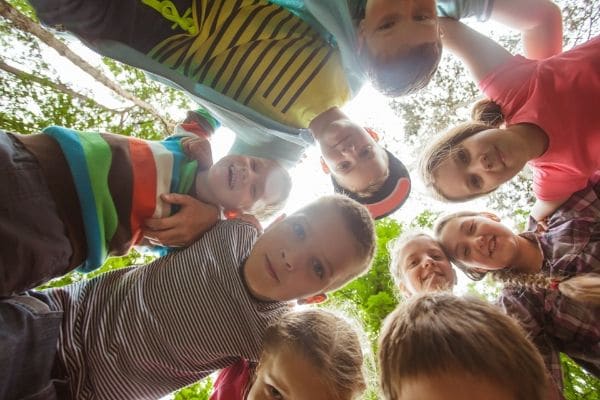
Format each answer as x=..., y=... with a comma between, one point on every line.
x=561, y=95
x=231, y=382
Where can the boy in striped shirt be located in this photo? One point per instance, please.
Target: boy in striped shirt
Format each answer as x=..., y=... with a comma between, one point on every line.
x=141, y=333
x=100, y=188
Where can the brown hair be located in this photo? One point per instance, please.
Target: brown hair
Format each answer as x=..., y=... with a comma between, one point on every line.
x=406, y=72
x=272, y=209
x=437, y=333
x=488, y=112
x=439, y=151
x=583, y=287
x=358, y=221
x=329, y=342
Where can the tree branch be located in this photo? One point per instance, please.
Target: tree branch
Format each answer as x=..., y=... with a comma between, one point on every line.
x=27, y=25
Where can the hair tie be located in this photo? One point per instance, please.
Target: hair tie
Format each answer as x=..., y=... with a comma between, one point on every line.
x=554, y=284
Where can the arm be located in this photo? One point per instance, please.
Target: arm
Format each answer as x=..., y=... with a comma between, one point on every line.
x=481, y=54
x=539, y=21
x=544, y=208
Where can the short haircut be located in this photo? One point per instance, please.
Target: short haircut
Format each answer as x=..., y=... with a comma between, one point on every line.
x=438, y=333
x=331, y=343
x=440, y=150
x=269, y=210
x=358, y=221
x=407, y=72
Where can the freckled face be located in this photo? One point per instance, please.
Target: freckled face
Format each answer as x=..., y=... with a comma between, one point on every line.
x=305, y=254
x=479, y=164
x=424, y=267
x=480, y=242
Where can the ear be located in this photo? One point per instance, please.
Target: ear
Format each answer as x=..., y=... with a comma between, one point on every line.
x=324, y=166
x=316, y=299
x=373, y=134
x=490, y=215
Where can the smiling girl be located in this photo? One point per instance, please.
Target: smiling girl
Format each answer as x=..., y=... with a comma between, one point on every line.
x=540, y=112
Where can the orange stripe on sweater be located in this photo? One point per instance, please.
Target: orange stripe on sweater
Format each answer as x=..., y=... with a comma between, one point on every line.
x=144, y=186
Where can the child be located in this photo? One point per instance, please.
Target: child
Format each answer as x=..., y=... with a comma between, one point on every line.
x=259, y=69
x=311, y=354
x=97, y=190
x=543, y=103
x=438, y=346
x=144, y=332
x=419, y=265
x=398, y=42
x=534, y=265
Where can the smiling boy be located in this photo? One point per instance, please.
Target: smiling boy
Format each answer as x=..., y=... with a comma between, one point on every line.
x=144, y=332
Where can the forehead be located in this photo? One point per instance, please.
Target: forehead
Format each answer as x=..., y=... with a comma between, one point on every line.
x=418, y=246
x=293, y=374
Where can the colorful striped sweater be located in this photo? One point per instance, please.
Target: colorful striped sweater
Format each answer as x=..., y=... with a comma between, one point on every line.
x=118, y=181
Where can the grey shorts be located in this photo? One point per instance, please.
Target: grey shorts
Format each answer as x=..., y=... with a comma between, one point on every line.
x=34, y=245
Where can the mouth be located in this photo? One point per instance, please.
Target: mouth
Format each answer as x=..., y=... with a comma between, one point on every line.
x=500, y=156
x=435, y=280
x=492, y=246
x=270, y=269
x=231, y=176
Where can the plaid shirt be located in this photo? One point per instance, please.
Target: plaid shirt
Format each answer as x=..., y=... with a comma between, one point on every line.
x=556, y=323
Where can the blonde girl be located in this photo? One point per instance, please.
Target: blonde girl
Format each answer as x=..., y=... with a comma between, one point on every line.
x=540, y=112
x=418, y=264
x=312, y=354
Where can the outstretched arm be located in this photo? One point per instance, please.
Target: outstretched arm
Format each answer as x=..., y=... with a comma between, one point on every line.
x=539, y=21
x=481, y=54
x=543, y=208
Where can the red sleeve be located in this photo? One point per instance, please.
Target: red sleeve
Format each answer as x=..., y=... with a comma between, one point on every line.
x=231, y=382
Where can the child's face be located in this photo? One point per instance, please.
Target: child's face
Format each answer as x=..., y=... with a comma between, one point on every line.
x=479, y=164
x=451, y=386
x=391, y=27
x=287, y=374
x=246, y=183
x=352, y=156
x=480, y=242
x=424, y=267
x=307, y=253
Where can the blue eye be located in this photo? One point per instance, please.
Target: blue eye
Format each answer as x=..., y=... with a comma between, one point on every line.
x=318, y=269
x=298, y=231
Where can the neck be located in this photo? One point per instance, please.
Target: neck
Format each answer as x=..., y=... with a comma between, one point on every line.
x=202, y=188
x=318, y=126
x=533, y=140
x=529, y=256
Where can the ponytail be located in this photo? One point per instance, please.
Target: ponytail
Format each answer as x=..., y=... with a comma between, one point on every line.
x=584, y=288
x=487, y=112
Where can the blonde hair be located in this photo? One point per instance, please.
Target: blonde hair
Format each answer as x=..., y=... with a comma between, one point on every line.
x=437, y=333
x=272, y=209
x=394, y=247
x=582, y=287
x=330, y=342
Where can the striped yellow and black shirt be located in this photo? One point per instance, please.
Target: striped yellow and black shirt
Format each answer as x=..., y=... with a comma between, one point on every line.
x=255, y=52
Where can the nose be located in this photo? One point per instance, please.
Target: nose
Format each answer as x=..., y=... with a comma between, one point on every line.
x=348, y=148
x=479, y=242
x=486, y=162
x=285, y=257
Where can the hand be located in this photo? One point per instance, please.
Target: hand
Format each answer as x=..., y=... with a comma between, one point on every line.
x=198, y=149
x=184, y=227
